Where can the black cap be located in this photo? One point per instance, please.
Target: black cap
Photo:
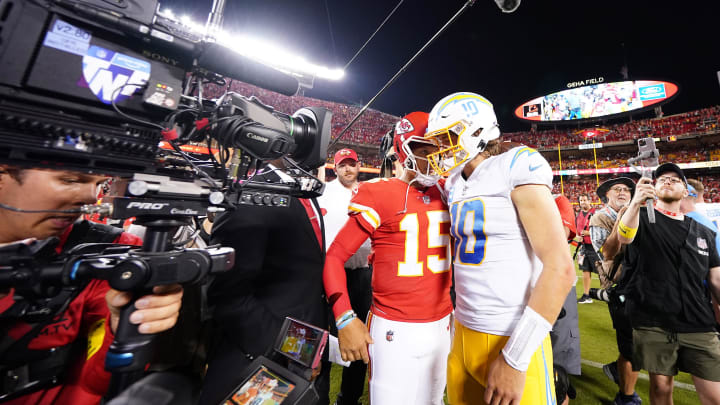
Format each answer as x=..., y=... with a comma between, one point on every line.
x=669, y=167
x=605, y=186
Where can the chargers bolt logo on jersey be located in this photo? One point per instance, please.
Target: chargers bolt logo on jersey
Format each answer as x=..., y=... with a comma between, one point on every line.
x=106, y=71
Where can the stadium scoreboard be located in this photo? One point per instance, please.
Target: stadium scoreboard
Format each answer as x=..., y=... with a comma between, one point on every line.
x=597, y=101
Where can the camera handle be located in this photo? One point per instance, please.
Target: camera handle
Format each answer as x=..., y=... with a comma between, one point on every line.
x=131, y=351
x=646, y=172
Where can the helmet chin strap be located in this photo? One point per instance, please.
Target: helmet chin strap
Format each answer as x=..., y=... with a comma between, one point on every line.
x=417, y=178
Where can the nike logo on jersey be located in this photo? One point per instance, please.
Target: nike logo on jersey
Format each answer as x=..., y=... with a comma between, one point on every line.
x=533, y=168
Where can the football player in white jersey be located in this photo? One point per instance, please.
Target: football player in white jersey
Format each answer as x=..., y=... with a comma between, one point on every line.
x=512, y=266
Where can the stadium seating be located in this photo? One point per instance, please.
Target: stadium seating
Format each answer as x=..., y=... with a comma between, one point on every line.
x=365, y=136
x=704, y=121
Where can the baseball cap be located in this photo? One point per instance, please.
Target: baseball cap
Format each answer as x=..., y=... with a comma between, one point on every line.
x=669, y=167
x=605, y=186
x=343, y=154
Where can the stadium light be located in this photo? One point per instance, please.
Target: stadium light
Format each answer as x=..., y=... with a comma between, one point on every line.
x=263, y=51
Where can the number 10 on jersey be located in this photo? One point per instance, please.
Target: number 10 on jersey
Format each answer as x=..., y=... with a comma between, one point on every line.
x=468, y=230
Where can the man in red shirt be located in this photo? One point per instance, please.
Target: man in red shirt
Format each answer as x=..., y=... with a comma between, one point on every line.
x=407, y=221
x=587, y=259
x=91, y=317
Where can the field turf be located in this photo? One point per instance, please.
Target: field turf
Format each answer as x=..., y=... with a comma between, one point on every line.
x=597, y=341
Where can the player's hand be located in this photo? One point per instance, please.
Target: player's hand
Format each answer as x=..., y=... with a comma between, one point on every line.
x=644, y=190
x=155, y=313
x=316, y=372
x=505, y=384
x=353, y=340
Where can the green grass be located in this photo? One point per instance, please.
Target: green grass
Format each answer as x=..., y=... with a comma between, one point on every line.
x=597, y=344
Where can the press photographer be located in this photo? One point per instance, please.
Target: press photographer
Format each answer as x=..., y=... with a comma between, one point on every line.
x=616, y=194
x=59, y=357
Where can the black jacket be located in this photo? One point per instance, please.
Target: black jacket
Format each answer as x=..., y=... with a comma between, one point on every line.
x=278, y=273
x=667, y=267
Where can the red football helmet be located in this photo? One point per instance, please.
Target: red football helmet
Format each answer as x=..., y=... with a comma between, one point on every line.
x=411, y=129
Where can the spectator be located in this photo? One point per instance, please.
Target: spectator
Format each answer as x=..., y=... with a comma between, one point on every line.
x=335, y=200
x=587, y=258
x=668, y=302
x=616, y=194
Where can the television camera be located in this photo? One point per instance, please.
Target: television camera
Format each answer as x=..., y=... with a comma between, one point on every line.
x=96, y=86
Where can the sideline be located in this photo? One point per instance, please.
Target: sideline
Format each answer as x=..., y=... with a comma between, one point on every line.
x=642, y=375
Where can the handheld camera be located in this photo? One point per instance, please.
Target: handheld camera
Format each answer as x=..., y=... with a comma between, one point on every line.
x=648, y=158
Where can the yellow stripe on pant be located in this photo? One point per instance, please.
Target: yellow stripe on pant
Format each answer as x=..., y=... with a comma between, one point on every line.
x=472, y=353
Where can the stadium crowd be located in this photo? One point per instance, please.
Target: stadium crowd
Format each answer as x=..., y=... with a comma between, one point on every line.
x=693, y=122
x=575, y=187
x=620, y=159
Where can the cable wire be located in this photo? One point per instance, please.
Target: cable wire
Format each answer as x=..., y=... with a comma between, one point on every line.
x=372, y=36
x=467, y=5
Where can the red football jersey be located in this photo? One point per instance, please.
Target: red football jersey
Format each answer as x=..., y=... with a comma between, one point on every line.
x=409, y=230
x=567, y=214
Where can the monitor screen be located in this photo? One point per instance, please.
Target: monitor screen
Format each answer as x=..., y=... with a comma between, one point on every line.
x=301, y=342
x=596, y=100
x=264, y=387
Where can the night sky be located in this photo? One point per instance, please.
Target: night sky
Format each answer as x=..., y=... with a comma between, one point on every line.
x=508, y=58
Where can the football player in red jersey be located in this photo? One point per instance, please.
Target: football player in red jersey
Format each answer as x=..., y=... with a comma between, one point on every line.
x=407, y=338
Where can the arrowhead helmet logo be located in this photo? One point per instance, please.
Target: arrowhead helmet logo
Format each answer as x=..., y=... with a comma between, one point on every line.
x=404, y=126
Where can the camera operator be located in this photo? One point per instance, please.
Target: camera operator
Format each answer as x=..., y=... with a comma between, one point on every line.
x=587, y=258
x=68, y=349
x=616, y=194
x=674, y=269
x=278, y=273
x=335, y=200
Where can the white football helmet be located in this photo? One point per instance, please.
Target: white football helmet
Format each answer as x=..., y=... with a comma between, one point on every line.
x=461, y=125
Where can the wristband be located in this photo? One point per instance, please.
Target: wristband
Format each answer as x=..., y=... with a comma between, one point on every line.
x=625, y=231
x=345, y=318
x=529, y=333
x=345, y=322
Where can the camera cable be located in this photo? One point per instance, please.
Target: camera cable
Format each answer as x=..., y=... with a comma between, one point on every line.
x=467, y=5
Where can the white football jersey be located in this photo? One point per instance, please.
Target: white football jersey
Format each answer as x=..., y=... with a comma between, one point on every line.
x=495, y=267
